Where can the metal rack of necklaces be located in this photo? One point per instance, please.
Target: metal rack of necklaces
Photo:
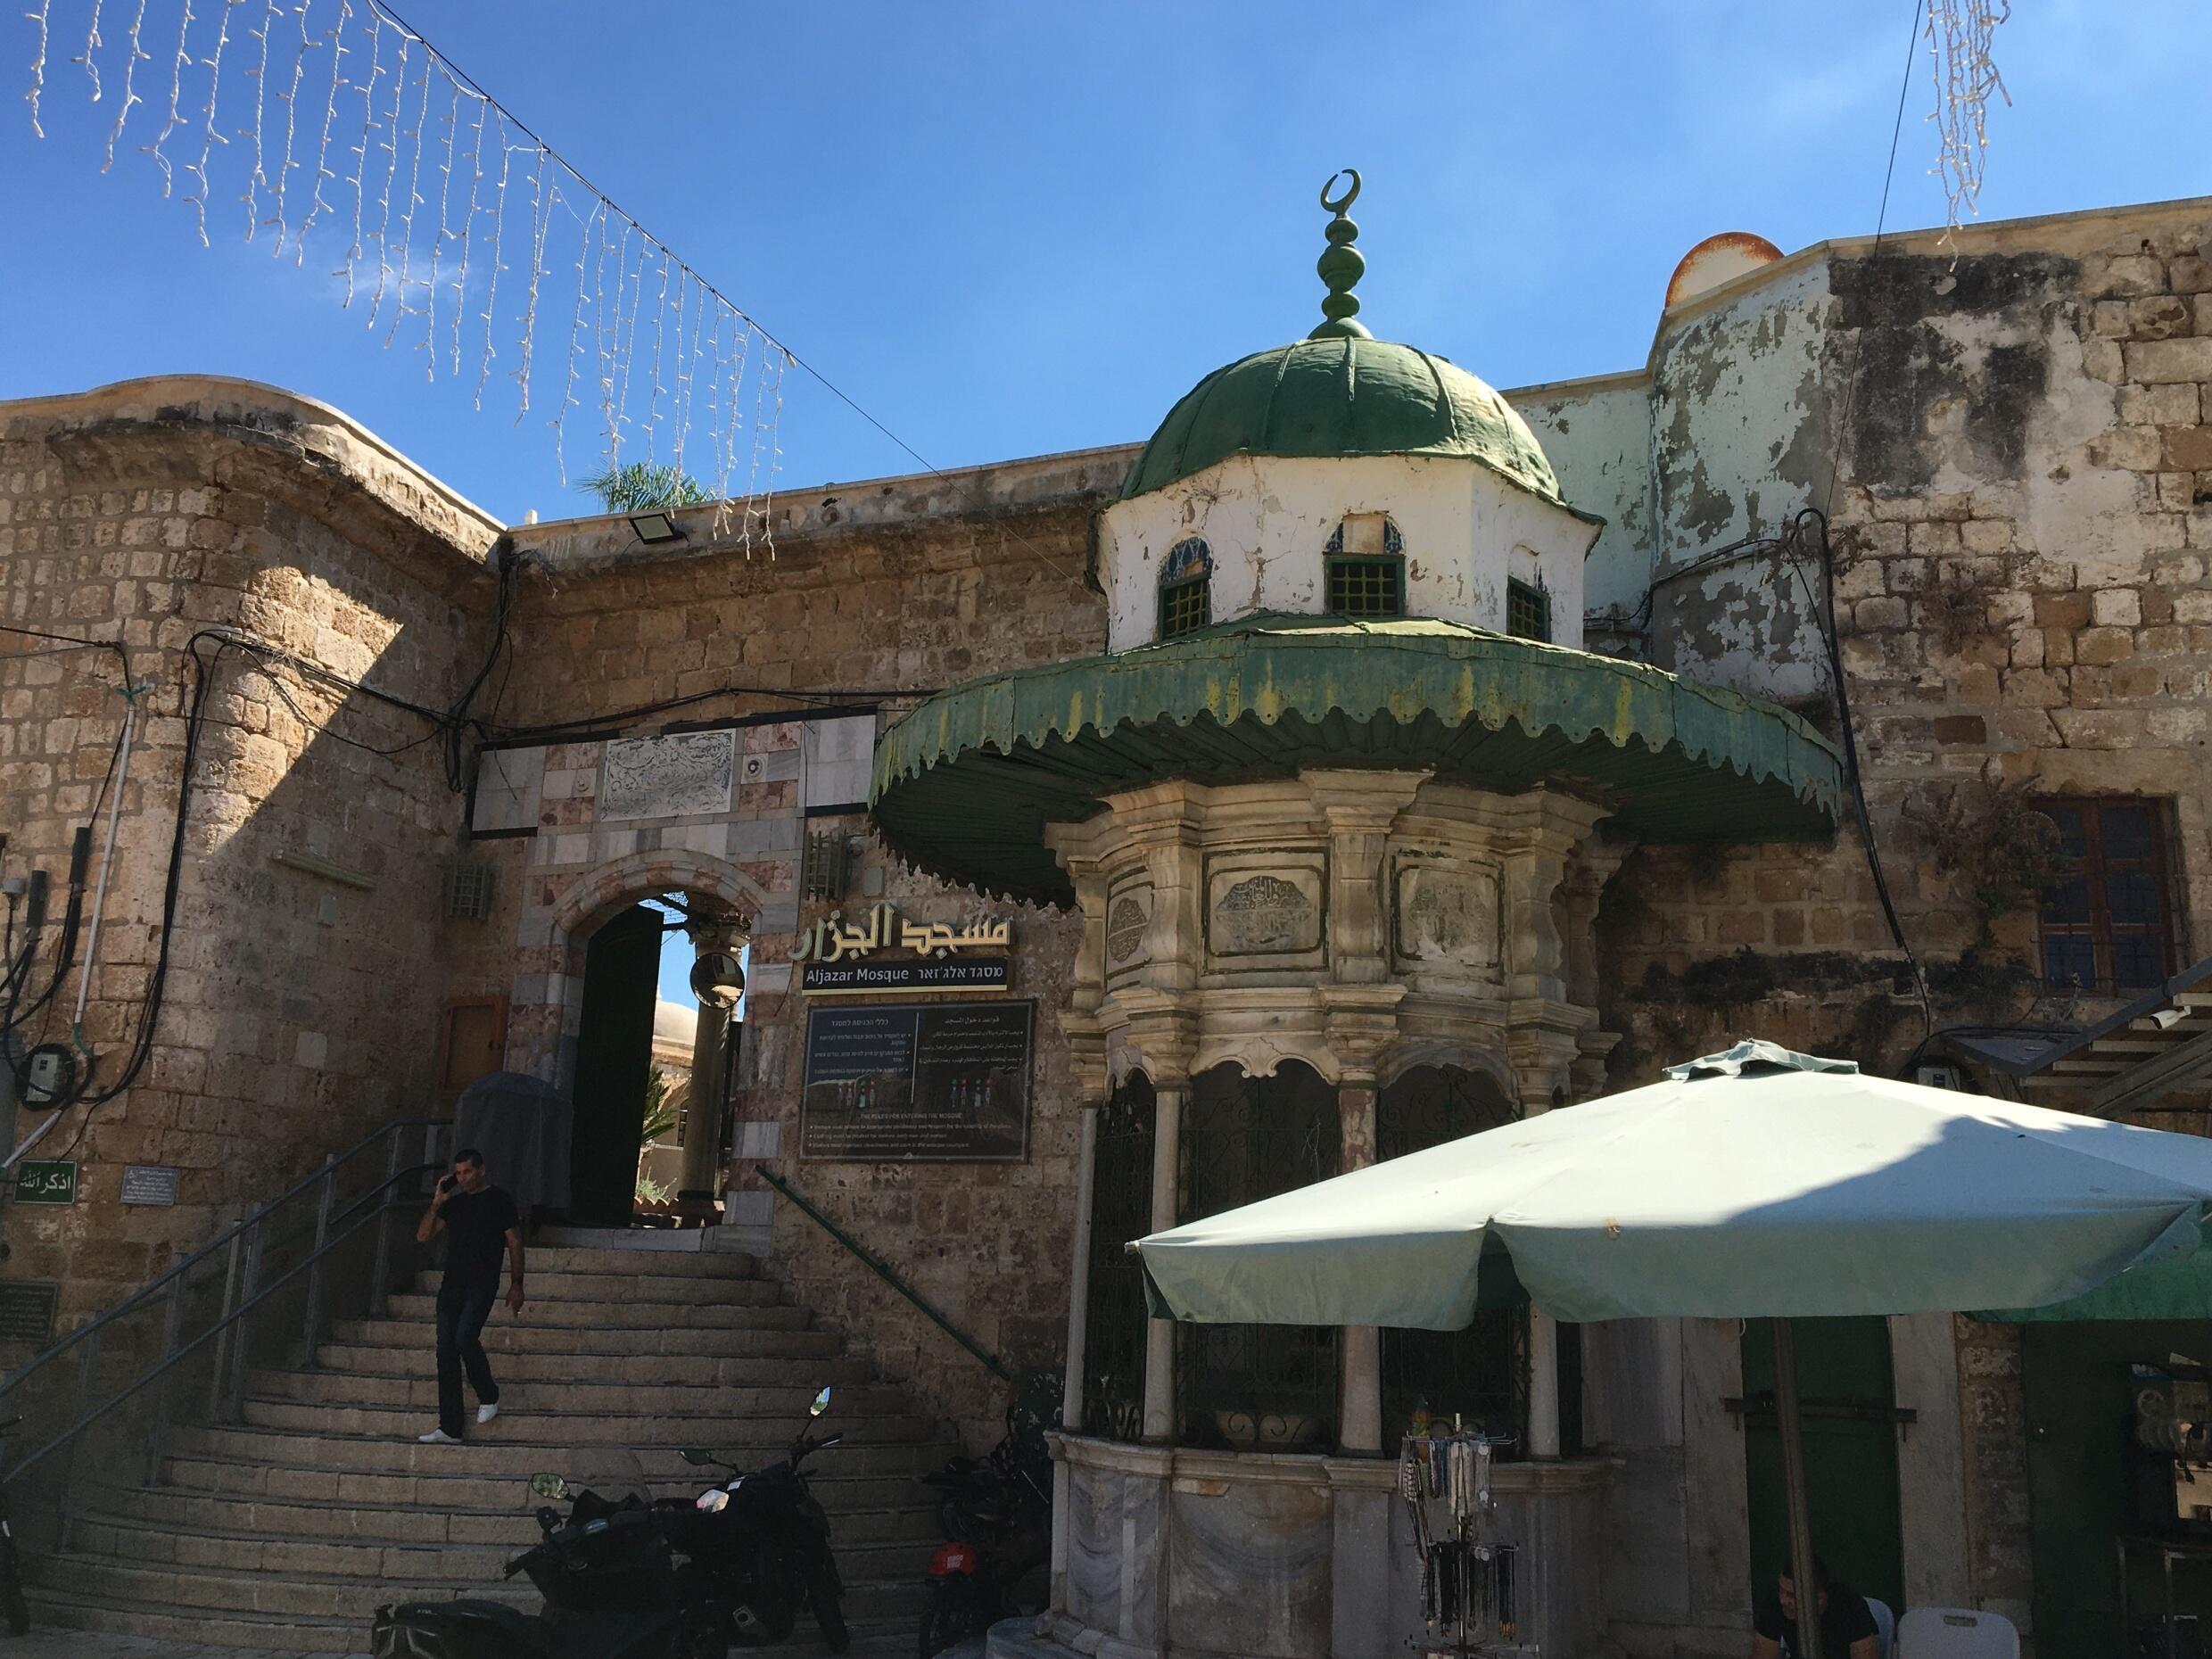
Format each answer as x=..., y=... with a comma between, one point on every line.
x=1470, y=1599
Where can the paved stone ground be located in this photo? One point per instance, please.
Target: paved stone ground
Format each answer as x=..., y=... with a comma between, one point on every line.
x=47, y=1644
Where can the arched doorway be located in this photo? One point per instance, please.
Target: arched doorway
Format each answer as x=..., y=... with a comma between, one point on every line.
x=614, y=1065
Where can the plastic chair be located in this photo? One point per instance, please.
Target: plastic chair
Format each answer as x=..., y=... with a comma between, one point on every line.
x=1885, y=1627
x=1956, y=1633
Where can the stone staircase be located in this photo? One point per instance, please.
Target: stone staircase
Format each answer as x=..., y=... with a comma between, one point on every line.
x=285, y=1531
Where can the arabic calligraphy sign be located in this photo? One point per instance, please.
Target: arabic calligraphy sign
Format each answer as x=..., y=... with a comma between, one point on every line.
x=41, y=1181
x=934, y=1081
x=833, y=939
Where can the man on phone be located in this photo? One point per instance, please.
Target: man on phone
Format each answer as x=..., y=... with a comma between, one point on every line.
x=478, y=1219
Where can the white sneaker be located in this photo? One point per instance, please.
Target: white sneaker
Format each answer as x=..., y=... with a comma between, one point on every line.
x=437, y=1436
x=484, y=1413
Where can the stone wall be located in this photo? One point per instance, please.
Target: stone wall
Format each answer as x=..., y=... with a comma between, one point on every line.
x=871, y=598
x=298, y=1011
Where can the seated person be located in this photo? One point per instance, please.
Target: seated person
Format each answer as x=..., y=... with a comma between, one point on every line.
x=1847, y=1629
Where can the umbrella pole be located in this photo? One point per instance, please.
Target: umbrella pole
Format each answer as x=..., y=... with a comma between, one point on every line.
x=1792, y=1426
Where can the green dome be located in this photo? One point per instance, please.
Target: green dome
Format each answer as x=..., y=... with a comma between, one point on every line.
x=1341, y=395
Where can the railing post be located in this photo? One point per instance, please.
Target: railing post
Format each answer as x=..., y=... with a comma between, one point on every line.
x=88, y=1355
x=172, y=1334
x=240, y=1341
x=316, y=1280
x=380, y=1274
x=225, y=1333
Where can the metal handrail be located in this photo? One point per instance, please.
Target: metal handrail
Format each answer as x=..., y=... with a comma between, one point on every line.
x=176, y=1355
x=883, y=1271
x=144, y=1292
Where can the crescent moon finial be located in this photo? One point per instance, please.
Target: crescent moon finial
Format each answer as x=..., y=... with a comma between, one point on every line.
x=1351, y=193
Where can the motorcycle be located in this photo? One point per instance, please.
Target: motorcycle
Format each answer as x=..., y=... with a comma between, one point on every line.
x=610, y=1587
x=756, y=1547
x=997, y=1514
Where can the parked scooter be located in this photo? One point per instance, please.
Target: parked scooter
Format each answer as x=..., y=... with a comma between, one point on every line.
x=610, y=1587
x=757, y=1546
x=997, y=1512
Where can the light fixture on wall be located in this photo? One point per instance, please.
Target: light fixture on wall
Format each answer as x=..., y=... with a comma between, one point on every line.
x=655, y=528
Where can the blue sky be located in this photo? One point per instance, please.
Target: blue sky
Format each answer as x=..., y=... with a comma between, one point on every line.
x=1013, y=229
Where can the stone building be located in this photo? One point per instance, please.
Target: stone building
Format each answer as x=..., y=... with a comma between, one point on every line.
x=1967, y=485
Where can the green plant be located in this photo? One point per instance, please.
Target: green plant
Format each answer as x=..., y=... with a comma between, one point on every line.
x=1993, y=843
x=641, y=487
x=648, y=1191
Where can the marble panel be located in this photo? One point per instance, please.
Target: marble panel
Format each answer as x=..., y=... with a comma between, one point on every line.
x=689, y=774
x=1128, y=922
x=1094, y=1549
x=1250, y=1569
x=840, y=758
x=509, y=786
x=1448, y=917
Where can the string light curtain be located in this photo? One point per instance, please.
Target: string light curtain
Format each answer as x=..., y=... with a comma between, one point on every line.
x=332, y=129
x=1960, y=33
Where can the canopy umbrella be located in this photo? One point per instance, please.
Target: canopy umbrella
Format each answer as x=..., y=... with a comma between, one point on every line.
x=1756, y=1182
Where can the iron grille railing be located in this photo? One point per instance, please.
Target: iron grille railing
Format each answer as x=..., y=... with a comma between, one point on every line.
x=99, y=1404
x=1270, y=1387
x=1114, y=1321
x=1480, y=1374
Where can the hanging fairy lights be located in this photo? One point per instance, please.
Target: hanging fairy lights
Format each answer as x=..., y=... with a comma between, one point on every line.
x=353, y=139
x=1960, y=33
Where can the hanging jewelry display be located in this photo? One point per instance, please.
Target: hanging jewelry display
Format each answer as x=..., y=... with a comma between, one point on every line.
x=1467, y=1588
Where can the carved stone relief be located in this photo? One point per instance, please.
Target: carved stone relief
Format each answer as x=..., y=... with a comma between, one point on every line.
x=1448, y=916
x=1263, y=904
x=683, y=776
x=1128, y=914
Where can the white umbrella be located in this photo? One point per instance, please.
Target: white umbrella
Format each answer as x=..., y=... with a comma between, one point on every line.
x=1757, y=1183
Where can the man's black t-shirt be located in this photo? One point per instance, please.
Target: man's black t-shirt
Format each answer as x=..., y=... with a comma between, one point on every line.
x=1844, y=1620
x=477, y=1225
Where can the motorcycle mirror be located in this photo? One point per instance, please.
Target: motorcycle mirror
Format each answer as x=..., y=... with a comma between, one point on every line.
x=692, y=1455
x=551, y=1486
x=821, y=1405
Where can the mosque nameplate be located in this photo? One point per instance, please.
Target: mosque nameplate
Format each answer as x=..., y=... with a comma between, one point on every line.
x=926, y=1082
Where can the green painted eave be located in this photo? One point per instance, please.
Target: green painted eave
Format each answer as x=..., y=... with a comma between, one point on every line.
x=1342, y=396
x=965, y=784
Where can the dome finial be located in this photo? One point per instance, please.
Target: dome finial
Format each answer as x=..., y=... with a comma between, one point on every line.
x=1341, y=265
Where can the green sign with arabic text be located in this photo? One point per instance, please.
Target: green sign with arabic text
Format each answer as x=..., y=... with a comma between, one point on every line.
x=49, y=1181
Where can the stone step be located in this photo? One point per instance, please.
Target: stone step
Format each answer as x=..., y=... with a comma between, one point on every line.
x=842, y=1486
x=875, y=1639
x=922, y=1450
x=692, y=1264
x=491, y=1519
x=418, y=1360
x=720, y=1428
x=623, y=1316
x=307, y=1596
x=675, y=1401
x=199, y=1550
x=545, y=1285
x=768, y=1333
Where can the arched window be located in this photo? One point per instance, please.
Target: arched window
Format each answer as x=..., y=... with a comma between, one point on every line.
x=1186, y=587
x=1121, y=1209
x=1265, y=1387
x=1480, y=1373
x=1364, y=567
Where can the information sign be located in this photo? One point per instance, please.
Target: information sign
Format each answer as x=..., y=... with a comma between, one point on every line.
x=936, y=1082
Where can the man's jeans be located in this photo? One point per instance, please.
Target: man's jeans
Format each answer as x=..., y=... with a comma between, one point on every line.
x=462, y=1310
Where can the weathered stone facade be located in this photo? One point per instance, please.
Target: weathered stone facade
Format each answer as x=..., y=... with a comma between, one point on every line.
x=2011, y=449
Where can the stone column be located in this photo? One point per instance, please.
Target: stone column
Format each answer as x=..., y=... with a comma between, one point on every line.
x=1159, y=1334
x=1543, y=1350
x=1359, y=1400
x=709, y=1095
x=1079, y=1278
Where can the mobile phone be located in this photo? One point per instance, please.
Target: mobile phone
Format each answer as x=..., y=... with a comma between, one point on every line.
x=446, y=1183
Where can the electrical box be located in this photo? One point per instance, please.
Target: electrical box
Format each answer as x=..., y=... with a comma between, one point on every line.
x=1937, y=1076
